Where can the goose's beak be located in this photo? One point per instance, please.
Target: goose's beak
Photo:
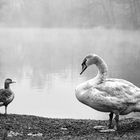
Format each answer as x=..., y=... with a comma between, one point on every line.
x=13, y=82
x=83, y=68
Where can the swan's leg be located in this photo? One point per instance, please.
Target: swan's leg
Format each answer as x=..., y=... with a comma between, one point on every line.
x=117, y=121
x=104, y=128
x=110, y=120
x=6, y=110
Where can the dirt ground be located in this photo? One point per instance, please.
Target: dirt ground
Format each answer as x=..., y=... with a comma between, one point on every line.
x=23, y=127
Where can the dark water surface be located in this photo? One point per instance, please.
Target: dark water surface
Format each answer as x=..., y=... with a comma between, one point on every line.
x=45, y=63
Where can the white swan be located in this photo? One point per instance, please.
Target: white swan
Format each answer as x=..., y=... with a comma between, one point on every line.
x=6, y=95
x=116, y=96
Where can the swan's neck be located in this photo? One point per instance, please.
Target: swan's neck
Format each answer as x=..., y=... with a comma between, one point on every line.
x=102, y=70
x=100, y=77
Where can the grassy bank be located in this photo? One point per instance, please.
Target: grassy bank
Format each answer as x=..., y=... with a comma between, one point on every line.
x=23, y=127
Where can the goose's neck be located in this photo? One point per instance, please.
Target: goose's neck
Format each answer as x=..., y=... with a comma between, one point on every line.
x=6, y=86
x=102, y=70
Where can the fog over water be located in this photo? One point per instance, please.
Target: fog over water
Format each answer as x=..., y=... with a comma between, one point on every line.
x=46, y=64
x=43, y=42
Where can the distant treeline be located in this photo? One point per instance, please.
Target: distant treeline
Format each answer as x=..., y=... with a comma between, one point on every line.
x=71, y=13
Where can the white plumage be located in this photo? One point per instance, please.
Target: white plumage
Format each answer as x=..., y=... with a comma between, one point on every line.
x=116, y=96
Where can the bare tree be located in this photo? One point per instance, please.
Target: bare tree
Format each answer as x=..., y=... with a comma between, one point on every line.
x=133, y=8
x=108, y=9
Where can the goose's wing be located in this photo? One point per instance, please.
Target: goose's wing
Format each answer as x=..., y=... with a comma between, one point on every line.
x=4, y=95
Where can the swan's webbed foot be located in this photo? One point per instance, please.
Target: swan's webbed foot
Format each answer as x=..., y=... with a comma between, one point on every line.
x=103, y=129
x=100, y=127
x=110, y=127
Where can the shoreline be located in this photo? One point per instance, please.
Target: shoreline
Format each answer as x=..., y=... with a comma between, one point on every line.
x=18, y=127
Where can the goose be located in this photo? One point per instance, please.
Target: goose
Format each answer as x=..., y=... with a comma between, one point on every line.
x=6, y=95
x=115, y=96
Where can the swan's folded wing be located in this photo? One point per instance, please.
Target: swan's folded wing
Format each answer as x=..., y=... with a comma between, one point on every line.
x=120, y=89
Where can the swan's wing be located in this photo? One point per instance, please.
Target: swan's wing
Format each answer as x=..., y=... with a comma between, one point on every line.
x=114, y=95
x=118, y=88
x=121, y=81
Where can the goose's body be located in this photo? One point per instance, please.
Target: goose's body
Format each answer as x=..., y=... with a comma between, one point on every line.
x=6, y=94
x=116, y=96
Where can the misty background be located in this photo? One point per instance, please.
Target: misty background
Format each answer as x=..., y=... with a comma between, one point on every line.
x=43, y=42
x=70, y=13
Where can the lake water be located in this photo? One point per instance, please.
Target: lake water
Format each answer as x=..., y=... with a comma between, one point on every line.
x=45, y=63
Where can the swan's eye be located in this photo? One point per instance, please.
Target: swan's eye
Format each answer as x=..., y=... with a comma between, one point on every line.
x=84, y=66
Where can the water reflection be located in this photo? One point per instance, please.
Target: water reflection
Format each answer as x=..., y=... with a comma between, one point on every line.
x=46, y=65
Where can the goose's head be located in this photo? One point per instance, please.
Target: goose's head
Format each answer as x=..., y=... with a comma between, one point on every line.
x=9, y=81
x=89, y=60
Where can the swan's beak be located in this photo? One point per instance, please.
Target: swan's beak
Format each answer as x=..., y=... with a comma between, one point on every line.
x=83, y=68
